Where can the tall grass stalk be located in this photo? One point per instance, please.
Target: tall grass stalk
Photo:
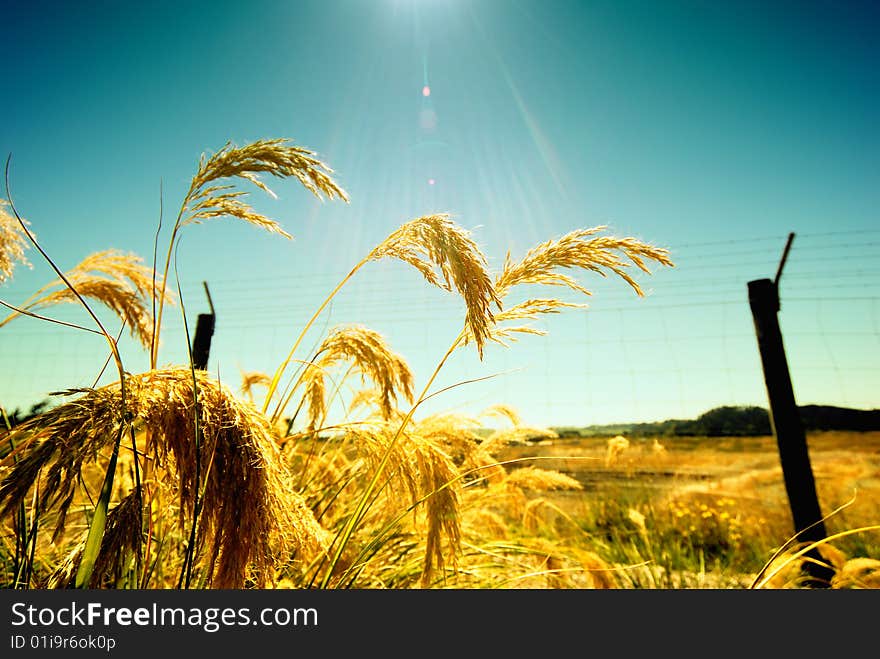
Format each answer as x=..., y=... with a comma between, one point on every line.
x=189, y=553
x=99, y=520
x=19, y=561
x=429, y=243
x=369, y=491
x=96, y=527
x=791, y=559
x=204, y=201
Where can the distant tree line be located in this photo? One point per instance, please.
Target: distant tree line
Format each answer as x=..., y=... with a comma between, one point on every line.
x=732, y=420
x=722, y=421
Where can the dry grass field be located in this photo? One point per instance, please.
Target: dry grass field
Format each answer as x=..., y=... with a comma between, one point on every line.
x=716, y=506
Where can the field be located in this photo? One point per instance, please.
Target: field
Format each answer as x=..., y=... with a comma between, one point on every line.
x=709, y=511
x=171, y=478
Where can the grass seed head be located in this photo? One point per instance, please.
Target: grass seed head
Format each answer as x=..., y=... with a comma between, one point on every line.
x=250, y=521
x=368, y=353
x=580, y=249
x=455, y=435
x=534, y=478
x=275, y=157
x=857, y=573
x=424, y=472
x=435, y=242
x=13, y=243
x=119, y=281
x=251, y=379
x=614, y=447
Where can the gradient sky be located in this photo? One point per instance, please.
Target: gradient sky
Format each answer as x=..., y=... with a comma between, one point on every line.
x=712, y=129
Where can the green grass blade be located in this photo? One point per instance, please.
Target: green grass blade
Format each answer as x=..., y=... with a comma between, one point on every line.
x=99, y=522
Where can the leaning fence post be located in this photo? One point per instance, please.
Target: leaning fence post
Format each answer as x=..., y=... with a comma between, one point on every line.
x=201, y=347
x=786, y=422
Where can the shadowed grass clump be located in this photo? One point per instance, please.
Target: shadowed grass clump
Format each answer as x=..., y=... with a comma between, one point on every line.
x=121, y=549
x=249, y=520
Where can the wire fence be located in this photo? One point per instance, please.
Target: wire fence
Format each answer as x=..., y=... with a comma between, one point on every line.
x=689, y=345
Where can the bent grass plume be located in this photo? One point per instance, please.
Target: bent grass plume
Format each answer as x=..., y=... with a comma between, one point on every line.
x=204, y=201
x=581, y=249
x=121, y=283
x=118, y=281
x=369, y=354
x=438, y=239
x=251, y=379
x=445, y=255
x=250, y=517
x=13, y=243
x=422, y=470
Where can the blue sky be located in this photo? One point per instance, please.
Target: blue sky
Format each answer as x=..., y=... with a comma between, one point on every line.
x=712, y=129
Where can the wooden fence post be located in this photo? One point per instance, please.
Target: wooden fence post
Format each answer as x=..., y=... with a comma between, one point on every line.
x=201, y=347
x=786, y=422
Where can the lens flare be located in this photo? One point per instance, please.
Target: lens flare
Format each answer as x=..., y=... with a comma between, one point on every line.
x=428, y=119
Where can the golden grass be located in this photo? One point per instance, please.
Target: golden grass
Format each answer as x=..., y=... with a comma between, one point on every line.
x=615, y=447
x=515, y=435
x=211, y=488
x=445, y=255
x=857, y=573
x=503, y=411
x=435, y=243
x=535, y=478
x=368, y=354
x=545, y=264
x=455, y=435
x=251, y=379
x=535, y=563
x=250, y=518
x=580, y=249
x=117, y=280
x=13, y=243
x=204, y=201
x=121, y=548
x=420, y=470
x=721, y=497
x=273, y=156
